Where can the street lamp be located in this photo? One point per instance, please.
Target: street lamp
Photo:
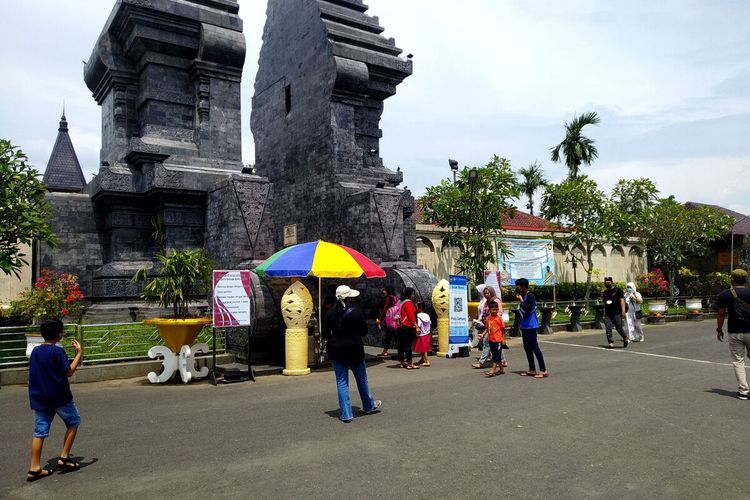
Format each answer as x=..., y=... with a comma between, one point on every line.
x=454, y=168
x=731, y=251
x=574, y=260
x=472, y=180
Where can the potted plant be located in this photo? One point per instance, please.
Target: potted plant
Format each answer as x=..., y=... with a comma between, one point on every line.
x=654, y=285
x=182, y=275
x=53, y=296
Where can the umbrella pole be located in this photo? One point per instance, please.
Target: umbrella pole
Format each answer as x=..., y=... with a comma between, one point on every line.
x=320, y=324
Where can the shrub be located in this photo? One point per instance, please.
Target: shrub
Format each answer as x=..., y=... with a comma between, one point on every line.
x=653, y=284
x=53, y=296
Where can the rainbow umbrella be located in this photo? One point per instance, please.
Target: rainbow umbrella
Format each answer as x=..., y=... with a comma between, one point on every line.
x=322, y=260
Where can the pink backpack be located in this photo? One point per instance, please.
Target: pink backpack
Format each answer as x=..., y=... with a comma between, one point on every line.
x=393, y=316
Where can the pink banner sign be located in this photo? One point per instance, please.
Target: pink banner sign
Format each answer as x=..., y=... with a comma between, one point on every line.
x=232, y=292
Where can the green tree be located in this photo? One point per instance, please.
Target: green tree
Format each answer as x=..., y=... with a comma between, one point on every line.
x=631, y=199
x=576, y=148
x=473, y=212
x=584, y=213
x=532, y=178
x=24, y=209
x=673, y=232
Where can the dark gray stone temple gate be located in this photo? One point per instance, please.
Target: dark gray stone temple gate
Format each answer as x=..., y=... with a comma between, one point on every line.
x=167, y=76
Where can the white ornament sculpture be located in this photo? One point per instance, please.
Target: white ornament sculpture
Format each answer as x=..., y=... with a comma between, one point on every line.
x=296, y=309
x=184, y=362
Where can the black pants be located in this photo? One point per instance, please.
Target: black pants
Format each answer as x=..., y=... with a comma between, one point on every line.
x=615, y=321
x=531, y=346
x=404, y=340
x=388, y=334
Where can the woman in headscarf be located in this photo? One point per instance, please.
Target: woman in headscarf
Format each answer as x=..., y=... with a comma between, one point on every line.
x=488, y=295
x=634, y=302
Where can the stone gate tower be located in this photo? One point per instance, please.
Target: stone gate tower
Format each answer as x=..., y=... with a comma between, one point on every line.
x=325, y=70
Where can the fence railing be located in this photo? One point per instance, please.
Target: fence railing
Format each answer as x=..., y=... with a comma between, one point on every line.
x=105, y=343
x=675, y=306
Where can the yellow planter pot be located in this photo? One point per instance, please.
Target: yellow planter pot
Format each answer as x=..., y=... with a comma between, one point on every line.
x=178, y=332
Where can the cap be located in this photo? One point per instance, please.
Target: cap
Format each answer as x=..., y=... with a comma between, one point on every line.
x=343, y=291
x=739, y=275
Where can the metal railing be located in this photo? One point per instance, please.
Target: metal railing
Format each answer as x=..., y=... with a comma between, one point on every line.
x=105, y=343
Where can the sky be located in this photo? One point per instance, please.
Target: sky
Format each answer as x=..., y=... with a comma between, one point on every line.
x=669, y=79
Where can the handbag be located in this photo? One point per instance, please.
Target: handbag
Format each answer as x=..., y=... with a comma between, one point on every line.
x=638, y=314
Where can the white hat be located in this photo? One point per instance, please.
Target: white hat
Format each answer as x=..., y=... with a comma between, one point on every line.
x=343, y=291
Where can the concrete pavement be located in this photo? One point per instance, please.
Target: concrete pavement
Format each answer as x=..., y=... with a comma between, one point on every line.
x=656, y=420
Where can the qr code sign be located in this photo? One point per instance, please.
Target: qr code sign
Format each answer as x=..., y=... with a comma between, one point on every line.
x=458, y=304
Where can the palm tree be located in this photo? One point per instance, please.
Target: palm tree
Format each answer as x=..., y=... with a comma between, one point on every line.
x=577, y=148
x=532, y=178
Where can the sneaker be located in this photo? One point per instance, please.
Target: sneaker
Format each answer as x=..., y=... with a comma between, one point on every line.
x=610, y=345
x=625, y=343
x=346, y=420
x=742, y=396
x=377, y=407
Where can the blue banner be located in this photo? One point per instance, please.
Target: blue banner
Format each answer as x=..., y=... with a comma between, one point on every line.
x=458, y=313
x=530, y=259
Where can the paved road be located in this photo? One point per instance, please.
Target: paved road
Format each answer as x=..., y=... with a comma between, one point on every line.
x=656, y=420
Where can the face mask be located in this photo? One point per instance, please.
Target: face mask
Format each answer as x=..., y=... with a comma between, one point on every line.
x=518, y=291
x=630, y=290
x=608, y=285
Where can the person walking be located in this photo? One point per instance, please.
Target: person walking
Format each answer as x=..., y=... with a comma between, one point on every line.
x=49, y=395
x=634, y=303
x=424, y=335
x=345, y=326
x=614, y=310
x=406, y=332
x=488, y=296
x=529, y=329
x=734, y=305
x=388, y=330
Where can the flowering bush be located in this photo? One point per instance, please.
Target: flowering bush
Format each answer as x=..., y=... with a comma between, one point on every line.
x=653, y=284
x=53, y=296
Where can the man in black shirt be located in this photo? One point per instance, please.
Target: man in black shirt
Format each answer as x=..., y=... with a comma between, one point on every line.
x=734, y=304
x=614, y=310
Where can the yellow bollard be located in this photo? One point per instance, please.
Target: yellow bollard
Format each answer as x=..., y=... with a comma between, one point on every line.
x=296, y=309
x=441, y=303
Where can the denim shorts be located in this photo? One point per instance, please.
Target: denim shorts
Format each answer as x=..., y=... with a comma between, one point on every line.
x=43, y=418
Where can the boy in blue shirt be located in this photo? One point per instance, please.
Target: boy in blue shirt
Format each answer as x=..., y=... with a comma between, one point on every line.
x=529, y=327
x=49, y=394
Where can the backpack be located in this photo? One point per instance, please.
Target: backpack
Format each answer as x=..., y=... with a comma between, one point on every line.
x=393, y=316
x=741, y=308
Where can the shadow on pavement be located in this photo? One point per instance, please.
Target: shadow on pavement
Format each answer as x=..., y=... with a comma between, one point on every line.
x=723, y=392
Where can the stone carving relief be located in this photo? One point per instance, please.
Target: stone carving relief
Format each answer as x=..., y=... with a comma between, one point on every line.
x=252, y=198
x=388, y=207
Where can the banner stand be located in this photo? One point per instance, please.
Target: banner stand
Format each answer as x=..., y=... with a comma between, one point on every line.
x=212, y=375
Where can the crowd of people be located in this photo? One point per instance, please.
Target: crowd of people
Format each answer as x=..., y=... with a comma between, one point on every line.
x=401, y=318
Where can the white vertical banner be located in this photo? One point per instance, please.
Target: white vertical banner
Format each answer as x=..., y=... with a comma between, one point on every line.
x=232, y=291
x=458, y=314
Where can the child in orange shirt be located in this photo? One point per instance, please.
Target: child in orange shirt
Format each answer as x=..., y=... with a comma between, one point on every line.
x=496, y=335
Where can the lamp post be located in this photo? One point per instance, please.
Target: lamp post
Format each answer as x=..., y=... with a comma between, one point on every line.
x=454, y=168
x=731, y=251
x=472, y=180
x=574, y=260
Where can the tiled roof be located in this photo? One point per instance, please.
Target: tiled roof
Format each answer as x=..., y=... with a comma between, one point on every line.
x=63, y=172
x=742, y=221
x=521, y=221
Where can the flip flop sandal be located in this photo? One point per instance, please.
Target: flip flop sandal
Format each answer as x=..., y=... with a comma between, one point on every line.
x=528, y=374
x=490, y=374
x=33, y=475
x=68, y=464
x=542, y=375
x=412, y=367
x=477, y=366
